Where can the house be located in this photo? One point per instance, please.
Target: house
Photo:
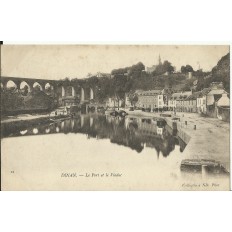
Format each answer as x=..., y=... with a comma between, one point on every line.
x=223, y=108
x=212, y=97
x=177, y=101
x=207, y=99
x=172, y=101
x=161, y=101
x=113, y=102
x=201, y=101
x=190, y=103
x=152, y=100
x=166, y=93
x=149, y=99
x=213, y=101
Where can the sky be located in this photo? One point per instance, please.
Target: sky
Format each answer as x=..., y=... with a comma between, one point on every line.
x=76, y=61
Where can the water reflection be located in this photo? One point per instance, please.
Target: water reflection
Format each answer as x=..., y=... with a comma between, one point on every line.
x=35, y=131
x=23, y=132
x=133, y=132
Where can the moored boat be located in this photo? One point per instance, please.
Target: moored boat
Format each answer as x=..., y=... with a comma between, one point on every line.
x=122, y=113
x=197, y=165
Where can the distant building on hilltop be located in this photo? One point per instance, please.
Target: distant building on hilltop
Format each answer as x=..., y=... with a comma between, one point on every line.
x=100, y=75
x=190, y=75
x=153, y=67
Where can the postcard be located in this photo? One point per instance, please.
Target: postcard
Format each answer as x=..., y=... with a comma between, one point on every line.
x=115, y=117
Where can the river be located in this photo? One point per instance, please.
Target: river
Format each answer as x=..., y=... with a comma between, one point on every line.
x=94, y=152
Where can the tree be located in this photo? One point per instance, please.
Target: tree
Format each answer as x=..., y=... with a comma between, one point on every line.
x=189, y=68
x=103, y=89
x=66, y=81
x=187, y=86
x=221, y=72
x=167, y=67
x=163, y=68
x=119, y=82
x=89, y=74
x=92, y=81
x=139, y=67
x=186, y=69
x=133, y=97
x=159, y=70
x=129, y=85
x=133, y=71
x=183, y=69
x=119, y=71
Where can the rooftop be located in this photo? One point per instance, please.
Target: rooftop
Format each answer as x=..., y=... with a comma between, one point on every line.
x=205, y=91
x=194, y=96
x=216, y=91
x=181, y=95
x=150, y=92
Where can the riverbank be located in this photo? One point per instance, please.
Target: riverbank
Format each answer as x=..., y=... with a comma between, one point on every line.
x=209, y=138
x=206, y=138
x=24, y=117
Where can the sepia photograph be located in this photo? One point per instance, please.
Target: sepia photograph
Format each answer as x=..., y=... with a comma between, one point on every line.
x=115, y=117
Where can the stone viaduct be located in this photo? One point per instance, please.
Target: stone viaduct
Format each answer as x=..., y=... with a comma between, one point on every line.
x=66, y=92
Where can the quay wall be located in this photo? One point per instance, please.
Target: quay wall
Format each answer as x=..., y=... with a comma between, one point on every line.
x=180, y=129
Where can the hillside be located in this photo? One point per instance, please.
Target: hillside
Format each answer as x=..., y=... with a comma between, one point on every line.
x=222, y=69
x=219, y=73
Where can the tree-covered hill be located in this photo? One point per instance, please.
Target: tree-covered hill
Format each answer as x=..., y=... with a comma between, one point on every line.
x=220, y=73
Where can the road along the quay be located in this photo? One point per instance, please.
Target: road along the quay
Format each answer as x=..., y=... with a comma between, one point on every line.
x=206, y=138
